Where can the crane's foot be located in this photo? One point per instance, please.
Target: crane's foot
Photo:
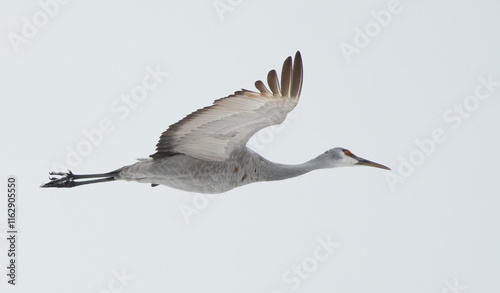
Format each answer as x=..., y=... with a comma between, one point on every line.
x=60, y=180
x=68, y=179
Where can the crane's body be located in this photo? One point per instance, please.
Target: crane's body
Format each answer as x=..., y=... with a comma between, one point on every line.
x=191, y=174
x=206, y=151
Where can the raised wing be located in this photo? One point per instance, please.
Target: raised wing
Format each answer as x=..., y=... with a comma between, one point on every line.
x=217, y=132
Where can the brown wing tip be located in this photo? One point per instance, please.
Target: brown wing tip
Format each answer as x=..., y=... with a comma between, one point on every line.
x=274, y=83
x=297, y=76
x=291, y=77
x=262, y=88
x=286, y=77
x=298, y=57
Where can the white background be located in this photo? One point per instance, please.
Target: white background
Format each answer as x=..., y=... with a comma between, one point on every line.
x=434, y=230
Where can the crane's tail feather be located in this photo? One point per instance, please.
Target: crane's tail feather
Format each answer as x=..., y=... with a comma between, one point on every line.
x=68, y=179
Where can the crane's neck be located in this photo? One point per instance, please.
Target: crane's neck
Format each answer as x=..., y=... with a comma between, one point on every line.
x=274, y=171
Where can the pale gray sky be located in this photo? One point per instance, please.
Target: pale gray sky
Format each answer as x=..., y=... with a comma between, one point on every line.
x=414, y=85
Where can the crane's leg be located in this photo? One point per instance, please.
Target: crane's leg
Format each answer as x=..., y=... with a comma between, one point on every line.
x=68, y=179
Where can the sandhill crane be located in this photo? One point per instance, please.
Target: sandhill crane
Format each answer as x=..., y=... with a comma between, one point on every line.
x=206, y=151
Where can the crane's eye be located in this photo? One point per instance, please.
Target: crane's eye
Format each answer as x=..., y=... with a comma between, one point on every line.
x=347, y=152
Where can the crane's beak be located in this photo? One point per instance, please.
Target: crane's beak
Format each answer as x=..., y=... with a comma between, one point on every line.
x=364, y=162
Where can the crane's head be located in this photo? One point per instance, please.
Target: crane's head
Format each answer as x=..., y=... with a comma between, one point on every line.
x=340, y=157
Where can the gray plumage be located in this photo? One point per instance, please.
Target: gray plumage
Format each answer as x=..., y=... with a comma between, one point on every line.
x=206, y=151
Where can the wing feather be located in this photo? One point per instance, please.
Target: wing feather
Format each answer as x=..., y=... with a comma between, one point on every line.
x=274, y=84
x=262, y=88
x=286, y=77
x=219, y=131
